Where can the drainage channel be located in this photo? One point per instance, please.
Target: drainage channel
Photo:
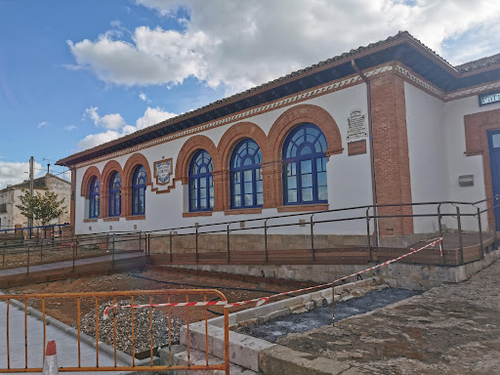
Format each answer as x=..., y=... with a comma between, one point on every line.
x=321, y=316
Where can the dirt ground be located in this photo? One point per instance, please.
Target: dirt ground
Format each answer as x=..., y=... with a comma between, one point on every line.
x=453, y=329
x=65, y=309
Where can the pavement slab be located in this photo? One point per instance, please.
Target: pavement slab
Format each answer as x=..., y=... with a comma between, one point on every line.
x=452, y=329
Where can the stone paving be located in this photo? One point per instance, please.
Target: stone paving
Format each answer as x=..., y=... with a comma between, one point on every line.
x=449, y=330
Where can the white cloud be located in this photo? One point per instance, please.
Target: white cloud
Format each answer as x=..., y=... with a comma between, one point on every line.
x=112, y=121
x=93, y=140
x=242, y=44
x=144, y=97
x=14, y=173
x=157, y=56
x=151, y=116
x=42, y=125
x=70, y=128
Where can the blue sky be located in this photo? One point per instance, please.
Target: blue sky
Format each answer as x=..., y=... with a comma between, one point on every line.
x=74, y=74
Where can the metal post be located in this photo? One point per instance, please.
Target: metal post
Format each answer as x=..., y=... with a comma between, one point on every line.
x=459, y=222
x=368, y=235
x=439, y=221
x=228, y=245
x=74, y=254
x=149, y=243
x=171, y=248
x=441, y=230
x=140, y=241
x=311, y=221
x=113, y=253
x=226, y=340
x=333, y=304
x=480, y=231
x=28, y=265
x=265, y=240
x=31, y=186
x=197, y=244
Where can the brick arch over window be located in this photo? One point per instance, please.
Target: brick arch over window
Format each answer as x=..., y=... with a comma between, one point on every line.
x=107, y=172
x=128, y=172
x=227, y=143
x=132, y=162
x=300, y=114
x=199, y=142
x=90, y=173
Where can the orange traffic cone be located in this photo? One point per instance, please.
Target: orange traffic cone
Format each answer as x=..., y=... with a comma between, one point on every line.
x=50, y=366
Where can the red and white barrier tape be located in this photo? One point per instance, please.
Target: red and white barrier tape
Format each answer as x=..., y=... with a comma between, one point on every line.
x=260, y=301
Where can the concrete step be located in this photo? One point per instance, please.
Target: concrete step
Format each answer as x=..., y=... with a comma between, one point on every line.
x=197, y=357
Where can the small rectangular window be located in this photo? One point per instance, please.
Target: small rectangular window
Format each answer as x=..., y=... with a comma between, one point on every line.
x=495, y=140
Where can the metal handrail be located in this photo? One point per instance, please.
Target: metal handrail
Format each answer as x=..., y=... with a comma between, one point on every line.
x=258, y=224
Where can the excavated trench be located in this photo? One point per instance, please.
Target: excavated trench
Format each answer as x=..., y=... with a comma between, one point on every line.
x=321, y=316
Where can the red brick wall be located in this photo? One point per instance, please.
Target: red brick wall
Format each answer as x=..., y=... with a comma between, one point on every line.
x=392, y=165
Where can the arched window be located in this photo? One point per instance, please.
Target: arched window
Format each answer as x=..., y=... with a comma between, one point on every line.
x=201, y=185
x=139, y=180
x=246, y=175
x=115, y=196
x=94, y=199
x=304, y=166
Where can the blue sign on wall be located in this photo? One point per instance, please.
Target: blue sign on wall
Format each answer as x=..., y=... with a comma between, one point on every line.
x=492, y=97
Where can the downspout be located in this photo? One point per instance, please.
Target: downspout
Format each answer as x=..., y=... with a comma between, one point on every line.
x=372, y=153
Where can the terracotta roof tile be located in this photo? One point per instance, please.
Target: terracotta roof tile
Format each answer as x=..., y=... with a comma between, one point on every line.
x=485, y=62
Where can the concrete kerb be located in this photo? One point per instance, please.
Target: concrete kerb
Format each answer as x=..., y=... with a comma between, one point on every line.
x=282, y=360
x=245, y=350
x=108, y=349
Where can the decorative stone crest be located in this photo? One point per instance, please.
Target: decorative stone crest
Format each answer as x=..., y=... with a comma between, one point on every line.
x=163, y=170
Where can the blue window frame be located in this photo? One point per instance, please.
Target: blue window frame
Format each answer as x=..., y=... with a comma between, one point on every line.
x=246, y=175
x=139, y=180
x=304, y=166
x=201, y=184
x=94, y=195
x=115, y=195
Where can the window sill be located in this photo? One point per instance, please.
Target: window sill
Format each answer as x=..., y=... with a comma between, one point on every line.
x=197, y=213
x=136, y=217
x=117, y=218
x=304, y=207
x=90, y=220
x=243, y=211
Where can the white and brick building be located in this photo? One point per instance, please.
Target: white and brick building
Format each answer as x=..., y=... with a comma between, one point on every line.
x=389, y=123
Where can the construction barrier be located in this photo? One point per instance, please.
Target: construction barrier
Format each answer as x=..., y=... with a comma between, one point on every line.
x=21, y=324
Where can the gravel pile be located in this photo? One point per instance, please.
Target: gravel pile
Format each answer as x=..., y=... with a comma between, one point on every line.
x=124, y=328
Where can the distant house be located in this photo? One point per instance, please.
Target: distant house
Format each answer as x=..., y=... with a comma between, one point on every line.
x=10, y=215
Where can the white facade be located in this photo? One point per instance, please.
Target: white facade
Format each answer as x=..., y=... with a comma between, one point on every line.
x=349, y=178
